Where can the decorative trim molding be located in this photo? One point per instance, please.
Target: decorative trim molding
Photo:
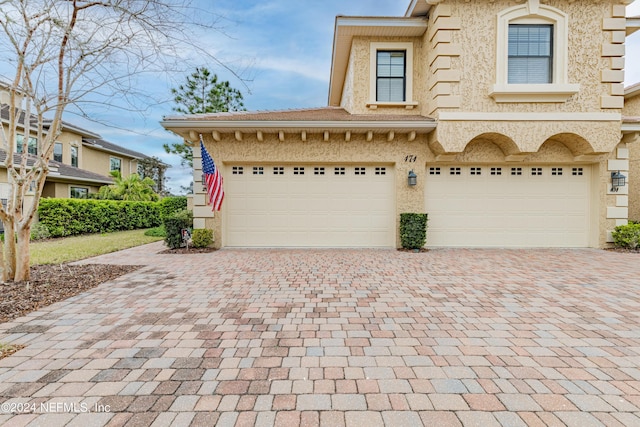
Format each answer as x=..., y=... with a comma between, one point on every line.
x=554, y=117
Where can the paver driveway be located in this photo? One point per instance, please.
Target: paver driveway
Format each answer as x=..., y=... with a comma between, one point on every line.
x=337, y=337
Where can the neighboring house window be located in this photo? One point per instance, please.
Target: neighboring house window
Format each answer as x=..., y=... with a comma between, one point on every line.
x=74, y=157
x=530, y=53
x=390, y=76
x=57, y=152
x=79, y=192
x=32, y=145
x=115, y=164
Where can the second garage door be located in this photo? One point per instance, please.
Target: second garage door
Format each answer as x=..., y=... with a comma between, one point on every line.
x=507, y=206
x=309, y=205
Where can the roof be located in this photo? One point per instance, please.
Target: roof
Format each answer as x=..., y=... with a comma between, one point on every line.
x=311, y=120
x=321, y=114
x=61, y=171
x=631, y=91
x=348, y=27
x=102, y=145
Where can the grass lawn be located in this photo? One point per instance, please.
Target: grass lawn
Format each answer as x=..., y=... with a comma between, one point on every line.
x=73, y=248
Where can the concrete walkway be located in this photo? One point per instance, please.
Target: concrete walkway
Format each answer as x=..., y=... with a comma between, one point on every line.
x=335, y=338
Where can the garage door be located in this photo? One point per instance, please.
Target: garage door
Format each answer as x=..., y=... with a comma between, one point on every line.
x=507, y=206
x=309, y=206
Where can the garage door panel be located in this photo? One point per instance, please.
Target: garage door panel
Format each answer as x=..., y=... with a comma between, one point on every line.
x=310, y=209
x=536, y=208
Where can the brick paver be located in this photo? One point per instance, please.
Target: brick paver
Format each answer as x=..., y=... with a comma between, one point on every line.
x=336, y=338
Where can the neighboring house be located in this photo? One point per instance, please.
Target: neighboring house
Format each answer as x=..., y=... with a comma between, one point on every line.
x=509, y=113
x=81, y=162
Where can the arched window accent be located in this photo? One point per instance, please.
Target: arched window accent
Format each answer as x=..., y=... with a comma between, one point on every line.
x=532, y=55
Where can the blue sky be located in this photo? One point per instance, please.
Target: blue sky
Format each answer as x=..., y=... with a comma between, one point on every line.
x=283, y=50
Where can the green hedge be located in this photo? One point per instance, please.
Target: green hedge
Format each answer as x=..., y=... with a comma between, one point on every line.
x=174, y=224
x=171, y=205
x=413, y=230
x=67, y=217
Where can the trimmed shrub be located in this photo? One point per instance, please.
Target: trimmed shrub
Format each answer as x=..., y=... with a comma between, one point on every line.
x=413, y=230
x=202, y=237
x=174, y=224
x=39, y=231
x=68, y=217
x=627, y=236
x=171, y=205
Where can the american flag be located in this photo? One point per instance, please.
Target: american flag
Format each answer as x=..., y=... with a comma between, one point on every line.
x=212, y=178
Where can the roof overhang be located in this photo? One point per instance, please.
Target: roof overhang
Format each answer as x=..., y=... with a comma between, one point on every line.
x=99, y=147
x=346, y=28
x=631, y=91
x=420, y=7
x=633, y=24
x=189, y=129
x=58, y=177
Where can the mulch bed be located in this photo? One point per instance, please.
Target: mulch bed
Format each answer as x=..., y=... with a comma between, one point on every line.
x=53, y=283
x=190, y=250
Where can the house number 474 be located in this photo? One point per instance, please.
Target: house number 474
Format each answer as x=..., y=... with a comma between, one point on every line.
x=410, y=158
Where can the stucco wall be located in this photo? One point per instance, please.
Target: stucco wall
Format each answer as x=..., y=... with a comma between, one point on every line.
x=477, y=62
x=632, y=106
x=634, y=177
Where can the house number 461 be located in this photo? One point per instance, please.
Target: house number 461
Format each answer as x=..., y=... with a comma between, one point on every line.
x=410, y=158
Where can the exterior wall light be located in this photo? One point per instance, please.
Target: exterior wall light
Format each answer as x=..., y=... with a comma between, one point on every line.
x=412, y=179
x=617, y=180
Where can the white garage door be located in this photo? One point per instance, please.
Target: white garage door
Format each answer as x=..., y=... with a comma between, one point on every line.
x=309, y=206
x=507, y=206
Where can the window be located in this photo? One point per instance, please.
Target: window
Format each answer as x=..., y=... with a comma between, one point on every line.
x=237, y=170
x=530, y=53
x=298, y=171
x=57, y=152
x=390, y=76
x=74, y=157
x=476, y=171
x=339, y=171
x=516, y=171
x=318, y=171
x=115, y=164
x=278, y=170
x=381, y=171
x=556, y=171
x=32, y=144
x=434, y=171
x=79, y=193
x=361, y=171
x=454, y=171
x=258, y=170
x=536, y=171
x=496, y=171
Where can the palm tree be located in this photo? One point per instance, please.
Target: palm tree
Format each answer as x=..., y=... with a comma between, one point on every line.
x=132, y=188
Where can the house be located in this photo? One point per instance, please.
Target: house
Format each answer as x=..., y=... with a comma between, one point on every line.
x=511, y=115
x=82, y=162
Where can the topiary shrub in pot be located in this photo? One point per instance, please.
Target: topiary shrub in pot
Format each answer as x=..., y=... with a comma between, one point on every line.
x=413, y=230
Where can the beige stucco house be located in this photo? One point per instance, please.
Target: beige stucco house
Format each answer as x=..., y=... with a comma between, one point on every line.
x=82, y=162
x=512, y=114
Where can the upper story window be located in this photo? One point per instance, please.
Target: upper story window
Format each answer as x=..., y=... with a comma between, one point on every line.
x=74, y=156
x=32, y=144
x=57, y=152
x=390, y=76
x=115, y=164
x=530, y=53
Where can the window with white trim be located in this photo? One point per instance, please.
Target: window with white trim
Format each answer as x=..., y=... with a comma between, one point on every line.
x=74, y=156
x=115, y=164
x=391, y=75
x=57, y=152
x=532, y=55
